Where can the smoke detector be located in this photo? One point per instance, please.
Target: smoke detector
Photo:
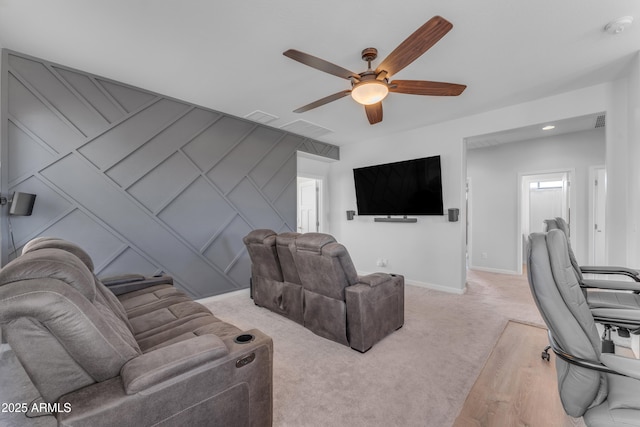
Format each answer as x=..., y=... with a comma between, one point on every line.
x=618, y=26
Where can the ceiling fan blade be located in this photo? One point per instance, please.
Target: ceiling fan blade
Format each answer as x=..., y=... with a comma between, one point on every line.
x=321, y=102
x=374, y=112
x=422, y=87
x=415, y=45
x=320, y=64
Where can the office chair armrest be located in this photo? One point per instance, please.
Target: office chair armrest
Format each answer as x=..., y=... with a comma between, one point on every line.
x=623, y=365
x=617, y=285
x=596, y=269
x=629, y=315
x=167, y=362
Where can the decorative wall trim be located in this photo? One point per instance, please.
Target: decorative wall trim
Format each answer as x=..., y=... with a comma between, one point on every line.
x=144, y=182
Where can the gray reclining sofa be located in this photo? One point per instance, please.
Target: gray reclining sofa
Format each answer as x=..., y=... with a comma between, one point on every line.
x=148, y=357
x=310, y=278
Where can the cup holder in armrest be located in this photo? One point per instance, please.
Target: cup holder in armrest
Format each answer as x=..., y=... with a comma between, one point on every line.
x=244, y=338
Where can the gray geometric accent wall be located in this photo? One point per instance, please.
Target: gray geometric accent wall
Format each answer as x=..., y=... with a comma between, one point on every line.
x=143, y=182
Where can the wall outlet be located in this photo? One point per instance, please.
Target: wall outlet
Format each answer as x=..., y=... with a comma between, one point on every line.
x=382, y=262
x=484, y=255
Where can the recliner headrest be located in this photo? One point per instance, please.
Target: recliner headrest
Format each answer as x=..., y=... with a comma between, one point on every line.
x=261, y=235
x=285, y=239
x=313, y=242
x=51, y=263
x=57, y=243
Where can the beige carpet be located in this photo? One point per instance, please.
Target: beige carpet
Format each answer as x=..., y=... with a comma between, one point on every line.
x=418, y=376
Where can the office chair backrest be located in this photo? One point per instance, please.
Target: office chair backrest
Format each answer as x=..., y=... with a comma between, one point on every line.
x=561, y=303
x=558, y=223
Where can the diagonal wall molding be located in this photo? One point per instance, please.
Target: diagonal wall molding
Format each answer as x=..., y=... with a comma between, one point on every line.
x=145, y=183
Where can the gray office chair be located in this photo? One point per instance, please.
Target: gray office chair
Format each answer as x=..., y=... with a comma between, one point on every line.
x=561, y=224
x=621, y=308
x=602, y=388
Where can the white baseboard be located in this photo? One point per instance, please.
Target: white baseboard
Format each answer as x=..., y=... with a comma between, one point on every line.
x=427, y=285
x=495, y=270
x=437, y=287
x=224, y=296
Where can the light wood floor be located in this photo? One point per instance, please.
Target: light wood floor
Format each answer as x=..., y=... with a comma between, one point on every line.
x=516, y=387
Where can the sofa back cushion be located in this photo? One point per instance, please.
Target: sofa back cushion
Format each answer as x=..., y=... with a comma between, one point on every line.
x=103, y=294
x=261, y=245
x=324, y=266
x=61, y=332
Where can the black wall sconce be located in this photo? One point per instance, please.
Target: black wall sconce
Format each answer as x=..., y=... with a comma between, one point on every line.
x=20, y=204
x=350, y=215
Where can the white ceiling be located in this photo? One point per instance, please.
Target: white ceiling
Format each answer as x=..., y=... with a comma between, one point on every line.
x=227, y=55
x=527, y=133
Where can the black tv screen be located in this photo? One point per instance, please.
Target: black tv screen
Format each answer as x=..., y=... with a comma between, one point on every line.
x=411, y=187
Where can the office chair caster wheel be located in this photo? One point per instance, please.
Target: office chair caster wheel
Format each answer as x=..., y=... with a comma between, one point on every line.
x=545, y=354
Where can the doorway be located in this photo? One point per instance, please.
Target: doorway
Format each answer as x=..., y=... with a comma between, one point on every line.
x=543, y=196
x=309, y=204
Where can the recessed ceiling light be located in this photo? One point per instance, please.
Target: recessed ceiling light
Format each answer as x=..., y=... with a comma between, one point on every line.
x=548, y=127
x=618, y=26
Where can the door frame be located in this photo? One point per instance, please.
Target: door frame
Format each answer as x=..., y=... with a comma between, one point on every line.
x=593, y=174
x=571, y=173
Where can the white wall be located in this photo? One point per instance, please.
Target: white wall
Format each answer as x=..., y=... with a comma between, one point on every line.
x=633, y=252
x=432, y=251
x=494, y=173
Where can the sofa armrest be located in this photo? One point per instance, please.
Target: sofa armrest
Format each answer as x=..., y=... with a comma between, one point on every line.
x=120, y=279
x=204, y=391
x=134, y=282
x=375, y=308
x=167, y=362
x=375, y=279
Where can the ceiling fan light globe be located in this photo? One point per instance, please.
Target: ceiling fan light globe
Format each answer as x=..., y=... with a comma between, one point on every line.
x=369, y=92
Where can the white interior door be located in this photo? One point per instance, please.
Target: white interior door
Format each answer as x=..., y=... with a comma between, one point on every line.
x=544, y=196
x=307, y=205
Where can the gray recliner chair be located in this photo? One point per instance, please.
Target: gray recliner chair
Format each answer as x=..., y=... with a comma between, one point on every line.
x=270, y=289
x=353, y=310
x=82, y=353
x=601, y=387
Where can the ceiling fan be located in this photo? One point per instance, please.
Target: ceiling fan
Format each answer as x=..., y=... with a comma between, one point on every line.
x=370, y=87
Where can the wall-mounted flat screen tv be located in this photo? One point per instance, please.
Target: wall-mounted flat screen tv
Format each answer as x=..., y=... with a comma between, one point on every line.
x=411, y=187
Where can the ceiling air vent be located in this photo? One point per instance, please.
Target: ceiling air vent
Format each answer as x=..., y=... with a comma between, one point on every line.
x=305, y=128
x=600, y=121
x=261, y=117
